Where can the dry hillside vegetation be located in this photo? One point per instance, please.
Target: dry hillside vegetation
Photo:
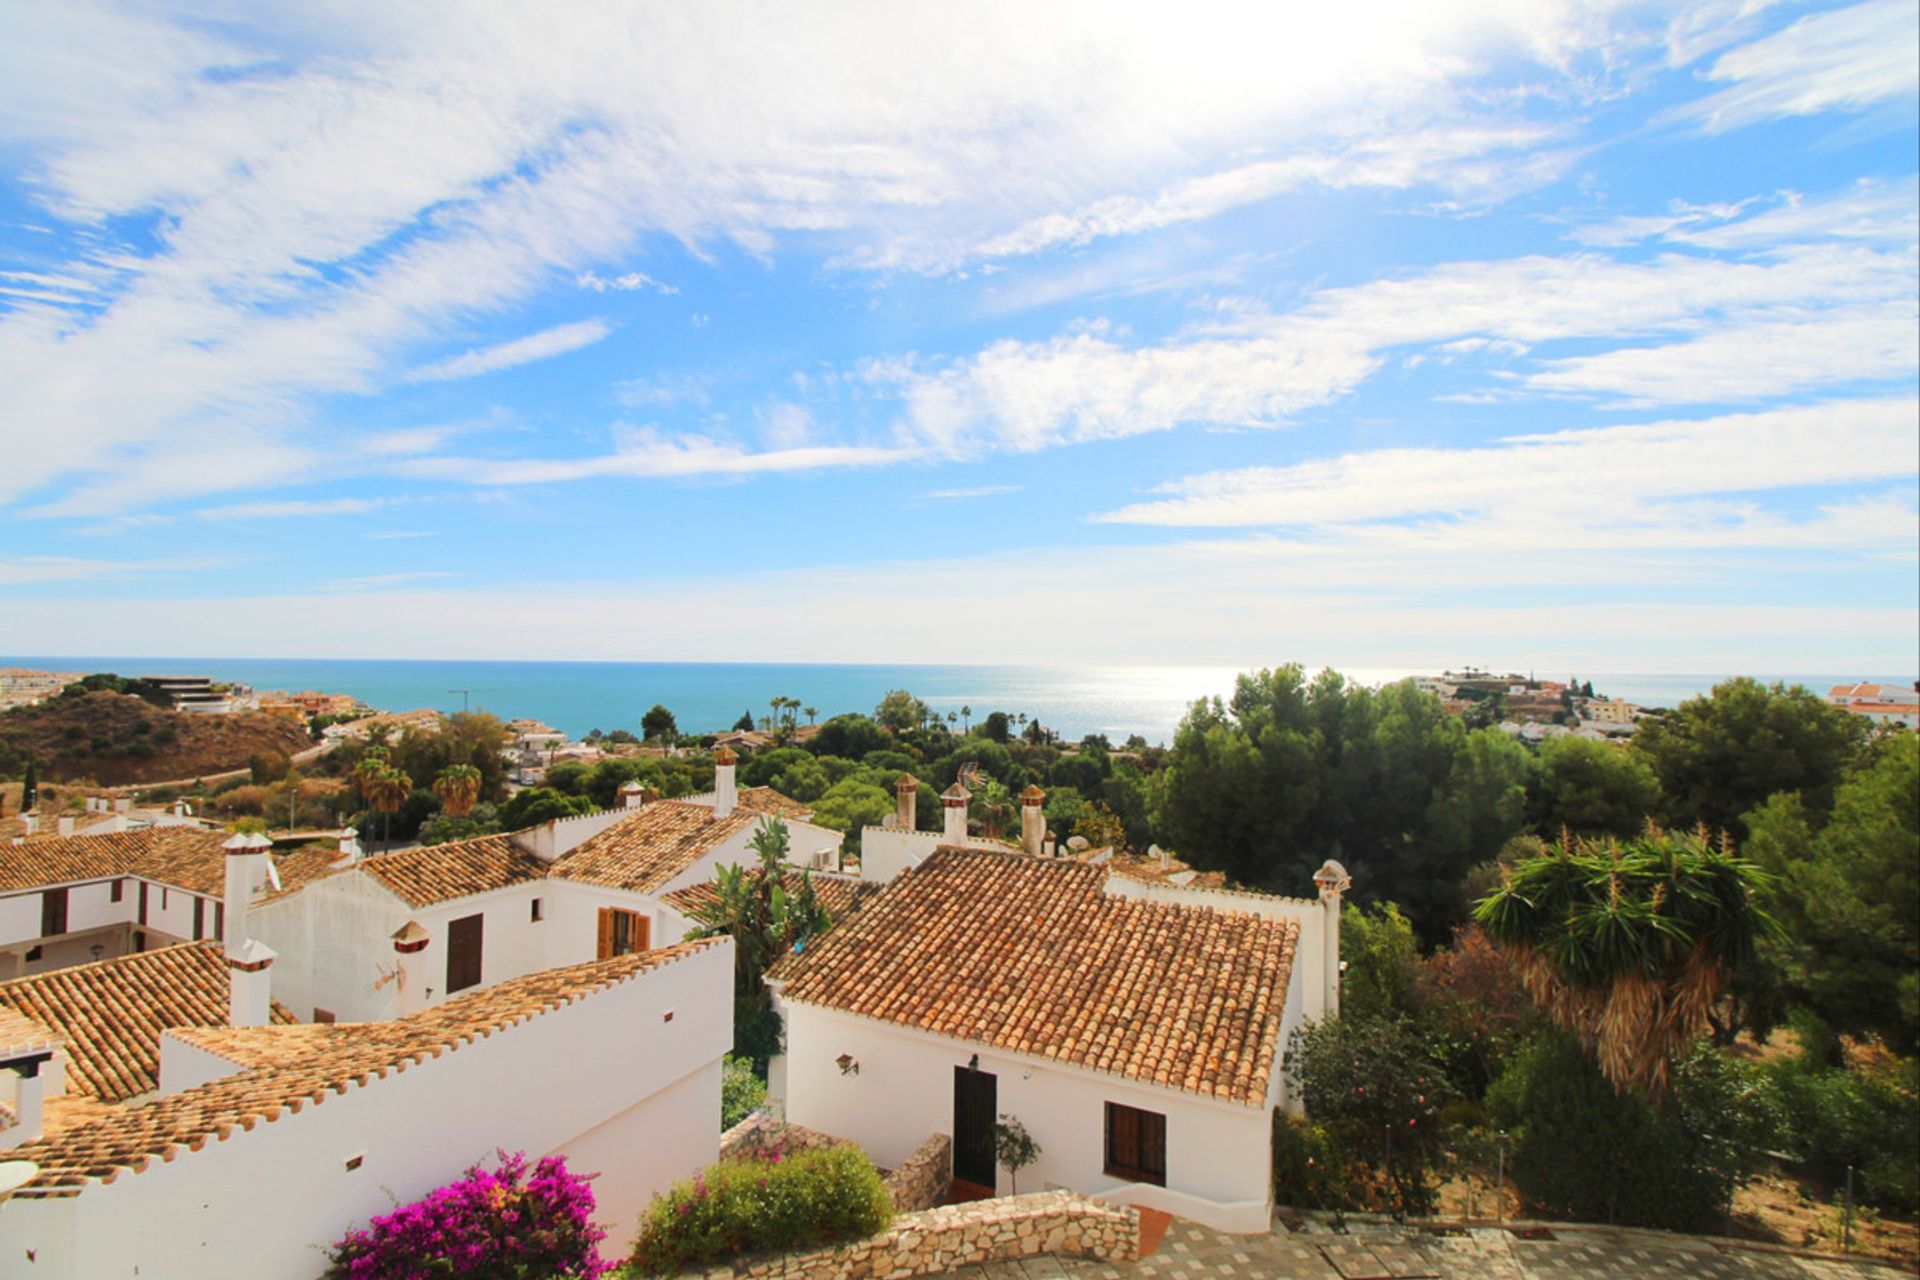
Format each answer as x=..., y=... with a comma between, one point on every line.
x=114, y=739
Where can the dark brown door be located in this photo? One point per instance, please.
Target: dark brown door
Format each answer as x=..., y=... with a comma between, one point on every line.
x=975, y=1095
x=53, y=912
x=463, y=953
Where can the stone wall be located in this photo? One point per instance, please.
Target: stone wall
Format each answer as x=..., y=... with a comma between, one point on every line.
x=937, y=1240
x=760, y=1136
x=923, y=1178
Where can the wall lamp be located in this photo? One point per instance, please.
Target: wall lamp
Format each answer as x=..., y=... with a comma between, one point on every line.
x=848, y=1065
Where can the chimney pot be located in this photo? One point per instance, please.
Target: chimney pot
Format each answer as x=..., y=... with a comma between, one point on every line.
x=1033, y=820
x=66, y=824
x=723, y=789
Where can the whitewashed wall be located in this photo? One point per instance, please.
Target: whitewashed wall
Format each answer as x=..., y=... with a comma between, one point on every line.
x=333, y=938
x=1218, y=1155
x=608, y=1077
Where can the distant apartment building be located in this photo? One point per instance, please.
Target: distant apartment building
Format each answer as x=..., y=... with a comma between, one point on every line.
x=202, y=695
x=1610, y=711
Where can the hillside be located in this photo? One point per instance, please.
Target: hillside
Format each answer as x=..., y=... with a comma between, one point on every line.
x=115, y=739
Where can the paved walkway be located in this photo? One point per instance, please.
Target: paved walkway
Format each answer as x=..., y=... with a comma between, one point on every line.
x=1193, y=1252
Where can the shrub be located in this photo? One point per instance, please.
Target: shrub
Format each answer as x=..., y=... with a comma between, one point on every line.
x=742, y=1092
x=1835, y=1117
x=814, y=1198
x=1582, y=1150
x=1309, y=1166
x=510, y=1221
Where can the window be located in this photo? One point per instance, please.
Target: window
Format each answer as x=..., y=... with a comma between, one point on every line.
x=463, y=953
x=539, y=911
x=143, y=902
x=53, y=912
x=322, y=1015
x=623, y=932
x=163, y=898
x=199, y=919
x=117, y=891
x=1136, y=1144
x=220, y=921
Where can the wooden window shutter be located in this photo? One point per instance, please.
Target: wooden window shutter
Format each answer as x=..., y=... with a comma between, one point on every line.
x=605, y=948
x=464, y=965
x=642, y=932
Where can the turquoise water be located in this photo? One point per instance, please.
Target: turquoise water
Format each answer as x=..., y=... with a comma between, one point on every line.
x=578, y=696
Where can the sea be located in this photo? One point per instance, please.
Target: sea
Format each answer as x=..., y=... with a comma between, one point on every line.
x=580, y=696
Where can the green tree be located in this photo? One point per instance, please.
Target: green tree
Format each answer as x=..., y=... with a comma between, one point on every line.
x=1288, y=772
x=1591, y=788
x=1014, y=1147
x=899, y=712
x=741, y=1091
x=995, y=728
x=1845, y=892
x=1371, y=1082
x=1719, y=756
x=536, y=805
x=1629, y=944
x=745, y=723
x=1378, y=948
x=30, y=785
x=658, y=725
x=386, y=789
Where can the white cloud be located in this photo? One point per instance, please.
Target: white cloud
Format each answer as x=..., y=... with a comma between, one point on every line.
x=1603, y=474
x=291, y=509
x=962, y=495
x=1841, y=60
x=327, y=192
x=535, y=346
x=33, y=570
x=645, y=452
x=1872, y=210
x=628, y=282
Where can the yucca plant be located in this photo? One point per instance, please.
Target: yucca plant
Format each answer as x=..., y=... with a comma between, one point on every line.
x=1629, y=943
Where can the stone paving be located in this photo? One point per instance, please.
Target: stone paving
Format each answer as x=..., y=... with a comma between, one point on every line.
x=1193, y=1252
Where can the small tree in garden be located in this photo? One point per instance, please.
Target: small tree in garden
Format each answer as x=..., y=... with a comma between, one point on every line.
x=1371, y=1084
x=515, y=1220
x=1015, y=1148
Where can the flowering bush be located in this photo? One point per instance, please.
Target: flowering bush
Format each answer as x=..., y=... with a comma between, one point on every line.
x=784, y=1203
x=509, y=1221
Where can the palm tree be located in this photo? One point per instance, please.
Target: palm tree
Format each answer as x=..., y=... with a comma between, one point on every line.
x=1629, y=944
x=753, y=907
x=458, y=787
x=966, y=719
x=811, y=713
x=994, y=807
x=387, y=790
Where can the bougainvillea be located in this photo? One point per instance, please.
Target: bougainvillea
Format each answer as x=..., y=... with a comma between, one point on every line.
x=517, y=1219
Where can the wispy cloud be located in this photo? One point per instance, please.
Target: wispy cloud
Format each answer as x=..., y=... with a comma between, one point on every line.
x=1600, y=473
x=626, y=282
x=505, y=355
x=1845, y=59
x=292, y=510
x=646, y=452
x=29, y=570
x=384, y=581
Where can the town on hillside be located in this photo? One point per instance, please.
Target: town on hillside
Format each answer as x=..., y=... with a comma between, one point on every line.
x=970, y=981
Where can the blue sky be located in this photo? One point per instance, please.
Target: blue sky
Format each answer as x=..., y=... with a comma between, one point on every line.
x=1551, y=336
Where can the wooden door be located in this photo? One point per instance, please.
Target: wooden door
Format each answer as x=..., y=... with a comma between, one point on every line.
x=622, y=932
x=975, y=1095
x=463, y=953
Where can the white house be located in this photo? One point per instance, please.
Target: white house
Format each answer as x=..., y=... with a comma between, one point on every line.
x=267, y=1143
x=387, y=935
x=68, y=900
x=1136, y=1029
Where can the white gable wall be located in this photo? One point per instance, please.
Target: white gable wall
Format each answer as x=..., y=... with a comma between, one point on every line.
x=332, y=936
x=606, y=1076
x=1219, y=1162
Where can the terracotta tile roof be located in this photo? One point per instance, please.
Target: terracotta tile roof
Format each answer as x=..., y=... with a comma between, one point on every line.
x=651, y=847
x=110, y=1013
x=21, y=1035
x=186, y=858
x=767, y=800
x=279, y=1077
x=840, y=895
x=1030, y=955
x=441, y=872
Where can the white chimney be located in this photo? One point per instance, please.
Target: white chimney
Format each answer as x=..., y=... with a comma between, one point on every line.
x=953, y=803
x=632, y=795
x=180, y=809
x=723, y=792
x=123, y=804
x=66, y=824
x=249, y=987
x=905, y=793
x=350, y=844
x=31, y=820
x=1332, y=880
x=1033, y=820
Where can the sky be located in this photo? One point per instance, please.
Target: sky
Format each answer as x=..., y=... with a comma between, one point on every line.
x=1560, y=336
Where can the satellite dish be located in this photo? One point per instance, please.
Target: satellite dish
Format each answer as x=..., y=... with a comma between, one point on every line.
x=15, y=1174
